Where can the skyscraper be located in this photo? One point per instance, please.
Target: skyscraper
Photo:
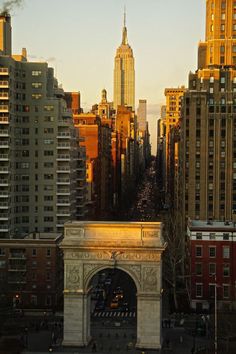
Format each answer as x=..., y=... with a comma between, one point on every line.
x=124, y=74
x=209, y=121
x=38, y=146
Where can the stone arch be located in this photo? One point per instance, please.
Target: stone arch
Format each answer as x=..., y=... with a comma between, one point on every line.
x=134, y=248
x=99, y=267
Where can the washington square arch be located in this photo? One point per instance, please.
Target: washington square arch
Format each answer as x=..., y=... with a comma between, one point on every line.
x=132, y=247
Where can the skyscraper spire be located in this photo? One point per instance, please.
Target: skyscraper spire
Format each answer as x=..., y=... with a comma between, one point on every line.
x=124, y=36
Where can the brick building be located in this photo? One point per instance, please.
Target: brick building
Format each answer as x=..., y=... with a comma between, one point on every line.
x=212, y=248
x=31, y=272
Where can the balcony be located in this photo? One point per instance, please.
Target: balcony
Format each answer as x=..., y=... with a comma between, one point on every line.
x=63, y=213
x=63, y=181
x=4, y=108
x=4, y=228
x=63, y=192
x=4, y=157
x=4, y=217
x=63, y=202
x=63, y=169
x=4, y=133
x=4, y=205
x=67, y=113
x=62, y=157
x=16, y=281
x=4, y=120
x=4, y=84
x=62, y=135
x=63, y=146
x=16, y=268
x=4, y=170
x=17, y=255
x=4, y=144
x=4, y=96
x=4, y=182
x=4, y=71
x=4, y=194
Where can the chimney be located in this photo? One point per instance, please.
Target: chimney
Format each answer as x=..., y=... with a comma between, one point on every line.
x=5, y=33
x=24, y=53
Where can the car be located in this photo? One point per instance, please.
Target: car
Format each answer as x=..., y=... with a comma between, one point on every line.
x=114, y=304
x=119, y=297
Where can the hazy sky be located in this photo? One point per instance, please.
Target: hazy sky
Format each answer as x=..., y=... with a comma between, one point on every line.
x=79, y=39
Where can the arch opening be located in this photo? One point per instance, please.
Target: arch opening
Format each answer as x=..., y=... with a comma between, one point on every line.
x=113, y=309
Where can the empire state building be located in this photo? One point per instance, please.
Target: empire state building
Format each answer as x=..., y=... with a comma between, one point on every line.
x=124, y=74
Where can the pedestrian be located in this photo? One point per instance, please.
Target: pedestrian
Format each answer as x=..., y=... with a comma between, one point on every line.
x=94, y=347
x=181, y=339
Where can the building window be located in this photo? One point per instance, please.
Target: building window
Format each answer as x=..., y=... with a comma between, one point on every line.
x=36, y=73
x=226, y=270
x=198, y=268
x=34, y=252
x=212, y=268
x=225, y=236
x=198, y=251
x=226, y=252
x=212, y=252
x=48, y=276
x=33, y=300
x=211, y=290
x=2, y=264
x=48, y=301
x=34, y=264
x=226, y=291
x=48, y=252
x=198, y=235
x=2, y=252
x=212, y=236
x=198, y=290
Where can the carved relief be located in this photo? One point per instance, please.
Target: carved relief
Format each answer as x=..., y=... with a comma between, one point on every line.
x=88, y=269
x=150, y=279
x=78, y=232
x=113, y=255
x=73, y=277
x=150, y=233
x=136, y=271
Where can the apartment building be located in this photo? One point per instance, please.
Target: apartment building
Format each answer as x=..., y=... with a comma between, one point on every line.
x=38, y=147
x=212, y=245
x=31, y=272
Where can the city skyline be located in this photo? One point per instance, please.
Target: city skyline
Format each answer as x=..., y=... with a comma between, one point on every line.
x=85, y=61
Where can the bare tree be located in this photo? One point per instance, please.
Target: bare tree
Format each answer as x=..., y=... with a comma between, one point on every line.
x=174, y=254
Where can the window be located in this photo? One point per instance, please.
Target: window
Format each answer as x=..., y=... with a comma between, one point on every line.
x=34, y=252
x=36, y=85
x=48, y=119
x=2, y=264
x=48, y=130
x=198, y=235
x=2, y=252
x=48, y=164
x=198, y=251
x=33, y=300
x=49, y=108
x=48, y=152
x=225, y=236
x=48, y=198
x=212, y=268
x=212, y=251
x=48, y=218
x=36, y=73
x=36, y=96
x=226, y=252
x=198, y=268
x=212, y=236
x=34, y=264
x=49, y=252
x=211, y=290
x=48, y=208
x=48, y=276
x=48, y=301
x=226, y=270
x=226, y=291
x=198, y=290
x=223, y=16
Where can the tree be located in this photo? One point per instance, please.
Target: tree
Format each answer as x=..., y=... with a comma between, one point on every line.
x=174, y=254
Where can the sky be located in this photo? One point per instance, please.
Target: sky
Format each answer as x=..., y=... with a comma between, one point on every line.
x=79, y=39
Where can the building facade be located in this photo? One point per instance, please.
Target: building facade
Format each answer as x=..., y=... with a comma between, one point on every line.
x=31, y=272
x=124, y=74
x=38, y=147
x=212, y=247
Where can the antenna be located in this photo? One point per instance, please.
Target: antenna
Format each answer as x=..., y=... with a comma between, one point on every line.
x=124, y=16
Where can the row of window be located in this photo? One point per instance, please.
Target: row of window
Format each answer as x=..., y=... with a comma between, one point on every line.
x=212, y=236
x=212, y=251
x=212, y=269
x=211, y=290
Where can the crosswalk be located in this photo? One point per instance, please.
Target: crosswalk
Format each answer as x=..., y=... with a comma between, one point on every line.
x=113, y=314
